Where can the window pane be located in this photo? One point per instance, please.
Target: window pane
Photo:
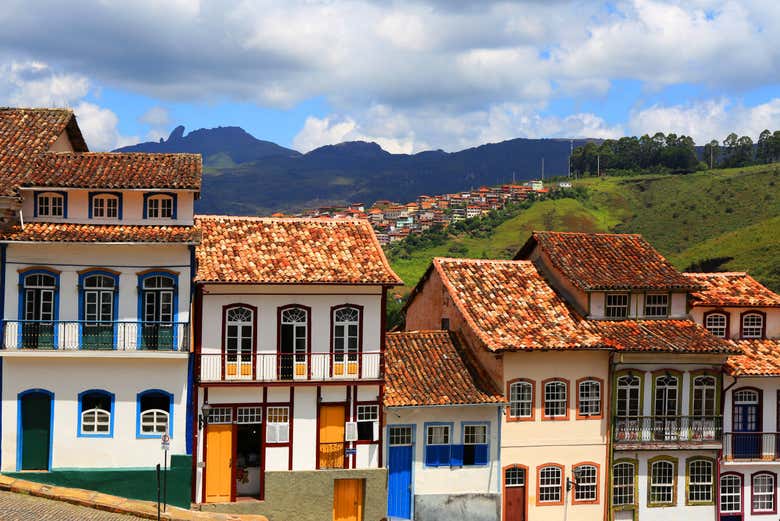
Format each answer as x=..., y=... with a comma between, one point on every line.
x=555, y=401
x=700, y=481
x=520, y=400
x=550, y=484
x=590, y=398
x=623, y=484
x=587, y=483
x=730, y=494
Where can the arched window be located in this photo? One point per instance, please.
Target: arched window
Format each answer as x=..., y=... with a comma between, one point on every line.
x=293, y=341
x=752, y=325
x=158, y=308
x=763, y=493
x=587, y=483
x=50, y=204
x=556, y=399
x=550, y=484
x=717, y=324
x=98, y=302
x=514, y=477
x=623, y=483
x=700, y=481
x=521, y=400
x=663, y=482
x=346, y=339
x=730, y=493
x=628, y=402
x=105, y=206
x=666, y=394
x=96, y=410
x=39, y=309
x=159, y=206
x=704, y=395
x=155, y=409
x=239, y=341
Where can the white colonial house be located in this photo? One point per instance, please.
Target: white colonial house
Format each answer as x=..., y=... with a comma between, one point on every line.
x=737, y=307
x=96, y=260
x=443, y=429
x=289, y=361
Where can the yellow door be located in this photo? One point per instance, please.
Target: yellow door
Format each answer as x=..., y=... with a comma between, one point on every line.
x=219, y=463
x=348, y=500
x=332, y=436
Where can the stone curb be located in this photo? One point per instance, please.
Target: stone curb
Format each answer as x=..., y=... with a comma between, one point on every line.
x=115, y=504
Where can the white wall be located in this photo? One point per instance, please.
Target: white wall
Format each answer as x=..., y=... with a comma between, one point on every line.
x=768, y=386
x=747, y=470
x=450, y=480
x=66, y=377
x=677, y=304
x=735, y=317
x=132, y=207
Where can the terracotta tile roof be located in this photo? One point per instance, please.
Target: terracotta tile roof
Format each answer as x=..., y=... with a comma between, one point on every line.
x=511, y=307
x=291, y=251
x=26, y=133
x=85, y=233
x=433, y=368
x=117, y=170
x=603, y=261
x=669, y=336
x=758, y=358
x=731, y=289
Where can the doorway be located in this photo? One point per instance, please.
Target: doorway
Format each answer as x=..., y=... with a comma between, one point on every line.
x=331, y=449
x=249, y=452
x=348, y=500
x=399, y=488
x=515, y=482
x=219, y=463
x=36, y=420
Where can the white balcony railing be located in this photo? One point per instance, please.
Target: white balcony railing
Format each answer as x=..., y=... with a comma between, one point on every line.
x=265, y=367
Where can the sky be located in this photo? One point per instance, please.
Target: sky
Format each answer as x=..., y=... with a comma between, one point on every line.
x=410, y=75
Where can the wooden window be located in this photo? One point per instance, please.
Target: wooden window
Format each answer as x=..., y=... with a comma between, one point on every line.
x=763, y=498
x=438, y=445
x=623, y=483
x=550, y=485
x=752, y=325
x=589, y=398
x=400, y=435
x=220, y=415
x=154, y=416
x=249, y=415
x=616, y=305
x=731, y=493
x=556, y=400
x=663, y=482
x=159, y=207
x=521, y=400
x=95, y=413
x=667, y=388
x=656, y=305
x=704, y=395
x=700, y=481
x=50, y=205
x=346, y=339
x=586, y=489
x=514, y=477
x=717, y=324
x=105, y=206
x=475, y=444
x=277, y=428
x=294, y=341
x=628, y=399
x=367, y=422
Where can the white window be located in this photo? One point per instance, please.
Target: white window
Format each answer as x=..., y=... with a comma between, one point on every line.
x=623, y=483
x=155, y=409
x=521, y=396
x=589, y=398
x=550, y=485
x=438, y=435
x=730, y=493
x=704, y=396
x=716, y=323
x=51, y=205
x=368, y=422
x=763, y=493
x=159, y=207
x=105, y=206
x=627, y=400
x=400, y=435
x=278, y=425
x=662, y=480
x=752, y=325
x=700, y=481
x=474, y=434
x=656, y=305
x=346, y=326
x=587, y=483
x=555, y=399
x=95, y=413
x=514, y=477
x=220, y=415
x=617, y=305
x=249, y=415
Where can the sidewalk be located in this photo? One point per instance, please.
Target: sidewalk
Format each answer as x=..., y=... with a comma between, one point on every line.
x=120, y=505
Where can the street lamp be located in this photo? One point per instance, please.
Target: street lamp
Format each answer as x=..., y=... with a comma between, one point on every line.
x=577, y=475
x=203, y=417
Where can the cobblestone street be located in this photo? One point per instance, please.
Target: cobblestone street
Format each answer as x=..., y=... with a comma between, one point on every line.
x=21, y=507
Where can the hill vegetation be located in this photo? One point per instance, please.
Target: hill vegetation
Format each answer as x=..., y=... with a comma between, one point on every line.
x=716, y=220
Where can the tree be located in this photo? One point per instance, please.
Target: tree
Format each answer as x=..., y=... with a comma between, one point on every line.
x=712, y=153
x=764, y=147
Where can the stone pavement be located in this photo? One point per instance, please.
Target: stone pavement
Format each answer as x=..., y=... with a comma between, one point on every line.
x=70, y=503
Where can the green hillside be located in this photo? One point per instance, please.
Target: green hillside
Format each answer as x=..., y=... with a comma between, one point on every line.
x=720, y=219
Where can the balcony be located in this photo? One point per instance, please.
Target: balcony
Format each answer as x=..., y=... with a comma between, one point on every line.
x=751, y=446
x=275, y=367
x=79, y=335
x=668, y=432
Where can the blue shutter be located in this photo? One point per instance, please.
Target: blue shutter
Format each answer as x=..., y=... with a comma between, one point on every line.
x=481, y=454
x=456, y=459
x=444, y=455
x=431, y=459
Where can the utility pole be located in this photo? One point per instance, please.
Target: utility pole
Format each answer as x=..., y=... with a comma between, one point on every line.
x=542, y=168
x=598, y=165
x=571, y=151
x=711, y=147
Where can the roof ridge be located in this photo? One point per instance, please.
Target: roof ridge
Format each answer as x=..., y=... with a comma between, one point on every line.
x=257, y=218
x=715, y=273
x=483, y=261
x=589, y=233
x=119, y=154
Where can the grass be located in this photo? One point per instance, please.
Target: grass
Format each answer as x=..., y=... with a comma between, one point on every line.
x=689, y=218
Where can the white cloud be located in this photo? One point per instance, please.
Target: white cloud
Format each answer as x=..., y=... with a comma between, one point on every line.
x=99, y=126
x=156, y=117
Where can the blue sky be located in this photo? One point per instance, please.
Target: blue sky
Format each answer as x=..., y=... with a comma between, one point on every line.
x=409, y=74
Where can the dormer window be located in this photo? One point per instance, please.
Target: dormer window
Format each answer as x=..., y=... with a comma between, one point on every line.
x=159, y=206
x=105, y=206
x=657, y=305
x=50, y=204
x=753, y=325
x=616, y=305
x=717, y=324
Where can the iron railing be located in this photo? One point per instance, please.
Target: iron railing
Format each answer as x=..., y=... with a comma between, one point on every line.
x=71, y=335
x=271, y=367
x=751, y=446
x=661, y=429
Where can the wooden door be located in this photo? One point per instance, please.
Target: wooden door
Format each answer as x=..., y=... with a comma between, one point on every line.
x=36, y=431
x=219, y=463
x=348, y=500
x=514, y=494
x=331, y=449
x=399, y=466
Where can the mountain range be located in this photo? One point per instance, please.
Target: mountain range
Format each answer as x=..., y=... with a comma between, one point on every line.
x=247, y=176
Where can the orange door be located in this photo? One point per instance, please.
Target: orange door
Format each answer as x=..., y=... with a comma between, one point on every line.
x=348, y=500
x=219, y=463
x=331, y=448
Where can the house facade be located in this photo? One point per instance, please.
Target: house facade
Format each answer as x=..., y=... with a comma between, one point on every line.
x=443, y=417
x=96, y=265
x=735, y=306
x=289, y=356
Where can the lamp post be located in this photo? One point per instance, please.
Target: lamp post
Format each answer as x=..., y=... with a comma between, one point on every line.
x=203, y=417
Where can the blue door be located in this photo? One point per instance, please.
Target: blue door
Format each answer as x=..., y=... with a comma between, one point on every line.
x=399, y=493
x=747, y=438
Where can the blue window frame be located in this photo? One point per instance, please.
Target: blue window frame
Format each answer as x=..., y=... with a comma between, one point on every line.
x=101, y=207
x=50, y=203
x=39, y=308
x=98, y=305
x=160, y=205
x=438, y=444
x=158, y=309
x=475, y=450
x=96, y=414
x=154, y=414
